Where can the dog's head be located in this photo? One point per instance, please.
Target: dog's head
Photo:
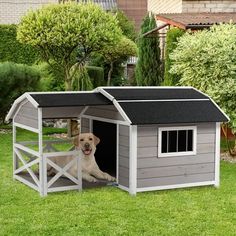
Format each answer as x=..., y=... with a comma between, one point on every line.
x=87, y=142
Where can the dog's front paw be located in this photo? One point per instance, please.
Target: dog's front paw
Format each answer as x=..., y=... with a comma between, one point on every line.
x=111, y=178
x=92, y=179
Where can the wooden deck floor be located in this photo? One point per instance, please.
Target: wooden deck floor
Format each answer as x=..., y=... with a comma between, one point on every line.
x=63, y=181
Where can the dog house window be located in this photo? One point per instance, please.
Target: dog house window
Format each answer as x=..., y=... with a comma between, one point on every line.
x=177, y=141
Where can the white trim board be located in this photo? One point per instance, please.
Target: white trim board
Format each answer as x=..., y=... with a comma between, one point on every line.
x=105, y=120
x=63, y=188
x=165, y=187
x=133, y=159
x=117, y=151
x=26, y=127
x=217, y=155
x=173, y=128
x=115, y=103
x=165, y=100
x=121, y=111
x=26, y=149
x=144, y=87
x=26, y=182
x=123, y=188
x=16, y=102
x=31, y=100
x=104, y=93
x=62, y=92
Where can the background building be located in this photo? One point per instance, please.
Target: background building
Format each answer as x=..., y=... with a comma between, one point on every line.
x=12, y=10
x=193, y=6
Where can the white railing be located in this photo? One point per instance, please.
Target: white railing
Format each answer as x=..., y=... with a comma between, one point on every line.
x=29, y=158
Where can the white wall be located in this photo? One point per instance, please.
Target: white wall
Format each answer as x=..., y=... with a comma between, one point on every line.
x=178, y=6
x=209, y=6
x=165, y=6
x=12, y=10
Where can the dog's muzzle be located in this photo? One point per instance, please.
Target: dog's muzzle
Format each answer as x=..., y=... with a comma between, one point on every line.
x=87, y=149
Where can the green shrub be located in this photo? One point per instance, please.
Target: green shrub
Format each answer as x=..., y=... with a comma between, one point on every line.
x=12, y=50
x=15, y=79
x=51, y=78
x=206, y=60
x=96, y=75
x=171, y=43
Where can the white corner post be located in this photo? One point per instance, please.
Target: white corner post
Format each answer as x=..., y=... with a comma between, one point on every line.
x=217, y=156
x=42, y=160
x=133, y=160
x=79, y=170
x=117, y=153
x=15, y=161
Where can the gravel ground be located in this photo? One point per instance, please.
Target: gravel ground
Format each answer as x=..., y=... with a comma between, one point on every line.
x=226, y=157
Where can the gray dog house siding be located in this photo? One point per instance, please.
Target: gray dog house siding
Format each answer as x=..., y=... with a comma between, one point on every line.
x=151, y=111
x=144, y=117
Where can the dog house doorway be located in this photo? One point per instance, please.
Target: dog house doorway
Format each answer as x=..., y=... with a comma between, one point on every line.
x=106, y=150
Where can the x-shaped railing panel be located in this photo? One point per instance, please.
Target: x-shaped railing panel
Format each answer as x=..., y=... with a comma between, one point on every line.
x=62, y=171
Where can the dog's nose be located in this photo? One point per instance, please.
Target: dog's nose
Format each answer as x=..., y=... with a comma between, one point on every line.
x=87, y=145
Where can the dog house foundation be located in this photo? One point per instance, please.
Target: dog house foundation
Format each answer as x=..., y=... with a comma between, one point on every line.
x=166, y=137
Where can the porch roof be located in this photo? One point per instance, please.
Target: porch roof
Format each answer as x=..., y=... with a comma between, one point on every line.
x=197, y=20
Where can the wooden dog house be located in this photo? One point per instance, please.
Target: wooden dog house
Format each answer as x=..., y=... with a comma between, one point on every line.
x=155, y=137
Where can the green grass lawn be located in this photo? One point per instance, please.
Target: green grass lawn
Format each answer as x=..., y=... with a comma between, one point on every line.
x=110, y=211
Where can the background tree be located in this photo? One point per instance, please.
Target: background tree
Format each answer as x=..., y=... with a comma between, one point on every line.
x=206, y=60
x=148, y=68
x=64, y=31
x=172, y=37
x=119, y=52
x=127, y=26
x=128, y=29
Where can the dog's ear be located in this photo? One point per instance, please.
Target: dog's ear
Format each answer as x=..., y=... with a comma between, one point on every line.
x=76, y=140
x=96, y=140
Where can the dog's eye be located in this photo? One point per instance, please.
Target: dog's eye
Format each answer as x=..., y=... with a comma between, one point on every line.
x=81, y=140
x=90, y=139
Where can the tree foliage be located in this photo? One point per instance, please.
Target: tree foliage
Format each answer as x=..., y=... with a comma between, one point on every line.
x=64, y=31
x=15, y=79
x=207, y=60
x=148, y=68
x=120, y=52
x=127, y=26
x=113, y=58
x=172, y=37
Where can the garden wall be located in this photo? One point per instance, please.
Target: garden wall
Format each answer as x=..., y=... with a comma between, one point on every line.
x=12, y=10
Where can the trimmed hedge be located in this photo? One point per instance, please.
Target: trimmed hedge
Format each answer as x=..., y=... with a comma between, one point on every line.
x=15, y=79
x=171, y=42
x=12, y=50
x=96, y=74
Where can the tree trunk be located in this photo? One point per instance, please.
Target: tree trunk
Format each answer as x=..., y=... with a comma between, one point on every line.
x=109, y=74
x=68, y=87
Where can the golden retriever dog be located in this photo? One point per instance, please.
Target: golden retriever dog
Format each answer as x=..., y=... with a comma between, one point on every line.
x=86, y=144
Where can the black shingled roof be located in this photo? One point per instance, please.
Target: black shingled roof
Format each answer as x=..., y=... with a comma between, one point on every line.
x=154, y=93
x=70, y=99
x=152, y=105
x=166, y=105
x=170, y=112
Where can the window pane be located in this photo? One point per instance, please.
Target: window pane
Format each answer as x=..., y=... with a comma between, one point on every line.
x=164, y=142
x=172, y=141
x=182, y=141
x=190, y=140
